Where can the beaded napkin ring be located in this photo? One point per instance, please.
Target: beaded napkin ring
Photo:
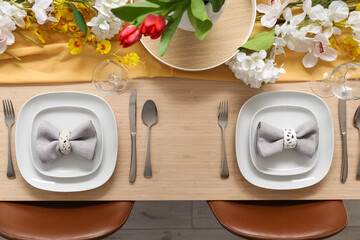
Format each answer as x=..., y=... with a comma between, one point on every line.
x=64, y=142
x=290, y=139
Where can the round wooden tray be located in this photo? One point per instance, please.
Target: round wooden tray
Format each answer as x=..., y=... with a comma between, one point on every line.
x=186, y=52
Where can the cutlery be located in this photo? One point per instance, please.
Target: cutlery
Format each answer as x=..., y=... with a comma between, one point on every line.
x=149, y=116
x=132, y=120
x=223, y=120
x=342, y=116
x=9, y=120
x=357, y=125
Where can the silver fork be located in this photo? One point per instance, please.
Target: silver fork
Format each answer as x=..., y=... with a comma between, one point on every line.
x=223, y=120
x=9, y=120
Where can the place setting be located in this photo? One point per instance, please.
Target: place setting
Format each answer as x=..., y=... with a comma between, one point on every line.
x=66, y=141
x=284, y=140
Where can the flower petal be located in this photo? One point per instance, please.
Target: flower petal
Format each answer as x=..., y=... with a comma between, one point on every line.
x=329, y=55
x=263, y=8
x=309, y=60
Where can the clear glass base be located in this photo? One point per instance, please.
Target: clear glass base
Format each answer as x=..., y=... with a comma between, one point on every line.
x=342, y=81
x=320, y=82
x=110, y=77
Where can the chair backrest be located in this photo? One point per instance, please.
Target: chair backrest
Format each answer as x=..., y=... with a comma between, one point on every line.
x=62, y=220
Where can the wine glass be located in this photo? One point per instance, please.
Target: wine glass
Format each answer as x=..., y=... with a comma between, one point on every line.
x=110, y=76
x=343, y=81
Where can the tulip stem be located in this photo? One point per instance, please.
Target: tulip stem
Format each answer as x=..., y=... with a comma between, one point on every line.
x=169, y=10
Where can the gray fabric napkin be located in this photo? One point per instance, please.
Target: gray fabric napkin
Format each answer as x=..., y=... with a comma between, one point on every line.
x=270, y=140
x=82, y=140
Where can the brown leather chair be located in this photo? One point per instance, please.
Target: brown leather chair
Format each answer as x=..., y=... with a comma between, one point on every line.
x=62, y=220
x=276, y=220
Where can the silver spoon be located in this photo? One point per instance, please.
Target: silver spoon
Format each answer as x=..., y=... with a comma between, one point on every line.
x=149, y=116
x=357, y=125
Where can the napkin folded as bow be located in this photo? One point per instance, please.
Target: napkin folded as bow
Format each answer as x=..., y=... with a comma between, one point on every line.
x=270, y=140
x=82, y=141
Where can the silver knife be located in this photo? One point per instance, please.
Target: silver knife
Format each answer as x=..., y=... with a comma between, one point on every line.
x=132, y=120
x=342, y=115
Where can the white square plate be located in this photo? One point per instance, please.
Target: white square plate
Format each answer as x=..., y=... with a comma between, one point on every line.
x=325, y=147
x=23, y=134
x=66, y=118
x=287, y=162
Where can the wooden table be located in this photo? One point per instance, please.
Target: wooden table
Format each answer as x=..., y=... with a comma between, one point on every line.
x=186, y=146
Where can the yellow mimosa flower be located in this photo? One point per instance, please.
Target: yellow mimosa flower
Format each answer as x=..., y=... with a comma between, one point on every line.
x=63, y=25
x=67, y=13
x=75, y=46
x=94, y=40
x=103, y=47
x=39, y=35
x=90, y=36
x=72, y=27
x=353, y=46
x=57, y=15
x=340, y=24
x=358, y=7
x=333, y=42
x=27, y=22
x=82, y=35
x=131, y=59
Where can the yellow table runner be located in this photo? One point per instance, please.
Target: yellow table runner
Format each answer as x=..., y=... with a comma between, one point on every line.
x=54, y=63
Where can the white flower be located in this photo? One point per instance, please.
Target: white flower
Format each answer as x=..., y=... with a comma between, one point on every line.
x=332, y=31
x=278, y=47
x=354, y=20
x=105, y=28
x=254, y=70
x=6, y=37
x=318, y=47
x=338, y=11
x=272, y=12
x=3, y=44
x=105, y=25
x=104, y=6
x=43, y=10
x=100, y=22
x=290, y=33
x=16, y=14
x=7, y=23
x=316, y=13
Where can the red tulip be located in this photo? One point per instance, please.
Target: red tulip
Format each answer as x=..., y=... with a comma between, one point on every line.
x=129, y=35
x=153, y=26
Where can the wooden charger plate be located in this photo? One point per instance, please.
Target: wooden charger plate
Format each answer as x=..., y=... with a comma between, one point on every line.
x=186, y=52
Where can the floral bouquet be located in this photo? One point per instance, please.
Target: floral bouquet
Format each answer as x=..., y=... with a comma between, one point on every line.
x=157, y=18
x=315, y=31
x=84, y=21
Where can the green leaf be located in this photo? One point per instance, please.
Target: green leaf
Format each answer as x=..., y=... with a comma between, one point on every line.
x=164, y=1
x=130, y=12
x=79, y=19
x=199, y=18
x=141, y=18
x=261, y=41
x=171, y=28
x=216, y=4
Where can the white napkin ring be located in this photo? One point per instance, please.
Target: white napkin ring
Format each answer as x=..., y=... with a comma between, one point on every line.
x=290, y=139
x=64, y=142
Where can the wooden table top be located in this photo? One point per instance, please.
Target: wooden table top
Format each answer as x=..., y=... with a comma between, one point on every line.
x=186, y=145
